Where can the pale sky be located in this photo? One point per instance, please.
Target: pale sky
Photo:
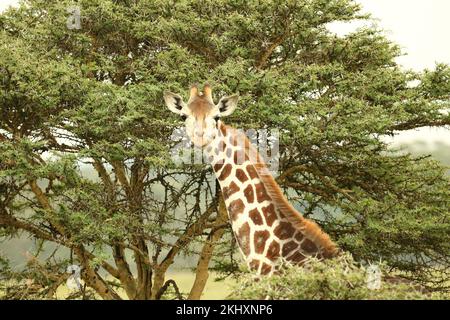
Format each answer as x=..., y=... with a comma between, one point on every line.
x=420, y=27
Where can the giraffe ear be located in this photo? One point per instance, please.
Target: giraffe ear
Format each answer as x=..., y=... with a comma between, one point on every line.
x=227, y=105
x=174, y=102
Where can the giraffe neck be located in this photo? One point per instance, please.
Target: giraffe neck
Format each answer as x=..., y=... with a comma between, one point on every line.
x=264, y=234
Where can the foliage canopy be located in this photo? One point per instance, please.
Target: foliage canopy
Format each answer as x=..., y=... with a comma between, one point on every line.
x=85, y=139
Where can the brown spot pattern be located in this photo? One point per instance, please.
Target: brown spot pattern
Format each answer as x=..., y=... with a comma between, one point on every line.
x=309, y=246
x=265, y=268
x=244, y=238
x=225, y=172
x=261, y=194
x=249, y=194
x=273, y=252
x=269, y=214
x=288, y=247
x=256, y=217
x=252, y=172
x=259, y=240
x=228, y=191
x=240, y=174
x=299, y=236
x=235, y=208
x=284, y=230
x=218, y=166
x=296, y=257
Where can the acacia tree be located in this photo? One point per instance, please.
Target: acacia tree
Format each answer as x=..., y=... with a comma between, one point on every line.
x=90, y=98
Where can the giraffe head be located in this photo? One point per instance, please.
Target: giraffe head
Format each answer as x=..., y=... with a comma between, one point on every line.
x=200, y=113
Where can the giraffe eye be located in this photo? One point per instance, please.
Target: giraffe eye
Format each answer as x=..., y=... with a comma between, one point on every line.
x=216, y=118
x=183, y=117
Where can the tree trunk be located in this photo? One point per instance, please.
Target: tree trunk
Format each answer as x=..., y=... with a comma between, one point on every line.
x=202, y=273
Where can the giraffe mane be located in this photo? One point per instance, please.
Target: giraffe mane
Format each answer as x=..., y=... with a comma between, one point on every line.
x=307, y=227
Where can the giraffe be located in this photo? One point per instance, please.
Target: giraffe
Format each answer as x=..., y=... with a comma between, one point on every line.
x=266, y=226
